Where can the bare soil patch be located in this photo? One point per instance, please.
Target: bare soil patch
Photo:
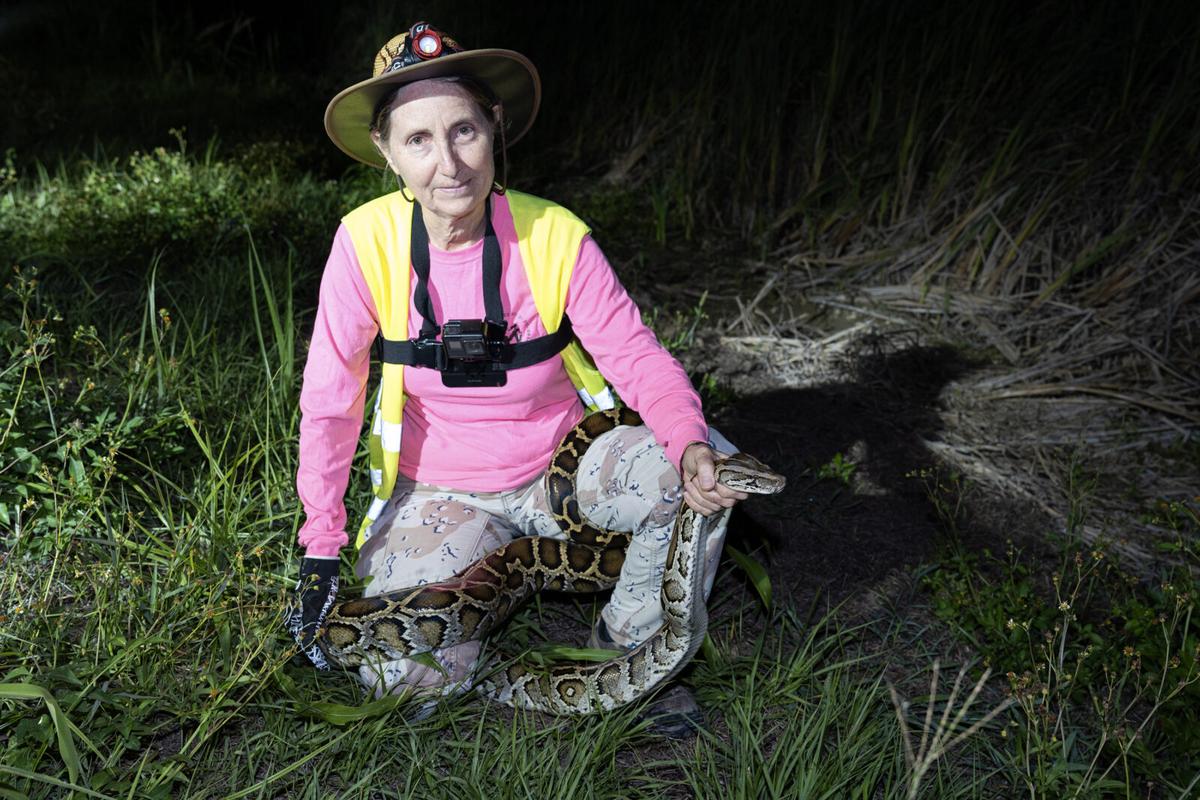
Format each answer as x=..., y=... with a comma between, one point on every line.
x=1019, y=396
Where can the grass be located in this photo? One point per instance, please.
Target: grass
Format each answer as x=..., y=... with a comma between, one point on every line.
x=1103, y=670
x=154, y=326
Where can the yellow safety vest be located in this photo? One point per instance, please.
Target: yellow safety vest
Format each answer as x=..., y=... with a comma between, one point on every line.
x=548, y=236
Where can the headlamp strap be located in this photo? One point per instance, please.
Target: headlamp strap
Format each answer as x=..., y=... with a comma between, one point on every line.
x=492, y=268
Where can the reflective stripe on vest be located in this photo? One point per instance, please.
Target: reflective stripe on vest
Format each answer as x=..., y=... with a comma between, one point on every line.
x=548, y=237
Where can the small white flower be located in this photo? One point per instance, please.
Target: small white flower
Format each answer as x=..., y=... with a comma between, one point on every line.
x=1064, y=606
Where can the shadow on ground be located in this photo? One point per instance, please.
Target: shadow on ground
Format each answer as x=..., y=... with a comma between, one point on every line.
x=837, y=536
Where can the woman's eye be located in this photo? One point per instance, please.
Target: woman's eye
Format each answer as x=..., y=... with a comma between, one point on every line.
x=465, y=130
x=417, y=140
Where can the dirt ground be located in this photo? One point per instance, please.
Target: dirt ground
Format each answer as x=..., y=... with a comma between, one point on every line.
x=1020, y=401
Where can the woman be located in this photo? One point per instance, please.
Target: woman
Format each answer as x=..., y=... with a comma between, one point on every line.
x=505, y=279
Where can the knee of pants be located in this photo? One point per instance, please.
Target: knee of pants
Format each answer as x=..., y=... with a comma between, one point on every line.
x=625, y=481
x=428, y=542
x=394, y=677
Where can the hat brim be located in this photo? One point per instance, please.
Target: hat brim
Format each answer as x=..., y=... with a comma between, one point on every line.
x=510, y=75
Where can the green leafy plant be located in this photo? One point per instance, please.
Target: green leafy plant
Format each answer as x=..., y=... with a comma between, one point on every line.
x=1102, y=668
x=167, y=200
x=678, y=332
x=838, y=469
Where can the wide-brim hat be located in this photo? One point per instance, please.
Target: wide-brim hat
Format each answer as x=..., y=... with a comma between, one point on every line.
x=424, y=52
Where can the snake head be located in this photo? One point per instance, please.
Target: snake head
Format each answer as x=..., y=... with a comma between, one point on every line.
x=745, y=473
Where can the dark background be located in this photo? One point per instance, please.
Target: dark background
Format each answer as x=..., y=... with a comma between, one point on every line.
x=118, y=75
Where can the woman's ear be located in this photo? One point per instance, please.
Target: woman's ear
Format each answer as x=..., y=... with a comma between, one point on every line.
x=497, y=115
x=375, y=138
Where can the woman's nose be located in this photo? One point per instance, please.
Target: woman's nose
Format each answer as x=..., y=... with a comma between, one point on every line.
x=448, y=159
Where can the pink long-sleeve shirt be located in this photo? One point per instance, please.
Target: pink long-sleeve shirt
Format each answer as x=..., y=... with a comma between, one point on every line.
x=478, y=438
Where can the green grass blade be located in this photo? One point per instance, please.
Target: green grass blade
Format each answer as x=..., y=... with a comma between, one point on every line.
x=551, y=653
x=9, y=793
x=36, y=776
x=338, y=714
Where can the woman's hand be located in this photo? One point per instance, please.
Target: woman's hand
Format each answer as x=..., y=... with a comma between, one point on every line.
x=308, y=606
x=700, y=488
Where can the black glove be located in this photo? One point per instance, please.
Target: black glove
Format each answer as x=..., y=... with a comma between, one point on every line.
x=315, y=592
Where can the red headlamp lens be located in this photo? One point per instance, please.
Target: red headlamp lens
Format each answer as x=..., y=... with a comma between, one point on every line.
x=427, y=45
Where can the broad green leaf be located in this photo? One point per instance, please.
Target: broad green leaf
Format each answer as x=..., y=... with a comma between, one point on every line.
x=66, y=748
x=337, y=714
x=753, y=570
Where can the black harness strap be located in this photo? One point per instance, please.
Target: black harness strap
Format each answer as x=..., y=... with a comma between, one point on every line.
x=419, y=255
x=403, y=352
x=492, y=309
x=512, y=355
x=492, y=267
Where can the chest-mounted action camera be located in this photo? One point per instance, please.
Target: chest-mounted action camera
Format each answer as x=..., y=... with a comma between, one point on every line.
x=471, y=352
x=473, y=349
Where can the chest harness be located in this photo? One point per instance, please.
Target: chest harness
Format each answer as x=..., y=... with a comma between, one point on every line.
x=390, y=231
x=472, y=352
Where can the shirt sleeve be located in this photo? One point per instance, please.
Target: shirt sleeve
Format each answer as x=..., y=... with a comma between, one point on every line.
x=647, y=377
x=333, y=397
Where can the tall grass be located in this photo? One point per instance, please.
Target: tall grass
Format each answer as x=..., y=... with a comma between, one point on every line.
x=789, y=96
x=1033, y=144
x=775, y=119
x=140, y=580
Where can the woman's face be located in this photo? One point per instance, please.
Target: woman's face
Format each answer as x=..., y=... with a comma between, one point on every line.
x=440, y=144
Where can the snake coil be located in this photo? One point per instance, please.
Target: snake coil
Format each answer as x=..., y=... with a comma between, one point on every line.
x=468, y=606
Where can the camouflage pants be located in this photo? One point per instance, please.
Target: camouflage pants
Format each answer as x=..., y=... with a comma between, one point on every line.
x=429, y=533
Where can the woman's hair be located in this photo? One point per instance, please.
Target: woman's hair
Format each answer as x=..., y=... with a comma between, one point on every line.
x=381, y=119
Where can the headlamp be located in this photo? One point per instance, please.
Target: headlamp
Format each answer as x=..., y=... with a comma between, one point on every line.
x=422, y=43
x=427, y=44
